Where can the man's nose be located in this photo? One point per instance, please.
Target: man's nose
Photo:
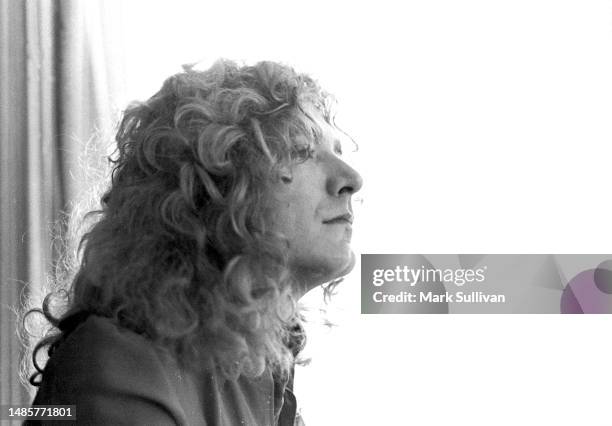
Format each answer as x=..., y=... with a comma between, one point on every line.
x=343, y=179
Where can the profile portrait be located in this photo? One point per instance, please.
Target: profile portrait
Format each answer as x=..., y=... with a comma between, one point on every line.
x=229, y=199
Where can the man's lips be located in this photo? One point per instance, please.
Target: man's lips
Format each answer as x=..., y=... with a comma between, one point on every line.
x=346, y=218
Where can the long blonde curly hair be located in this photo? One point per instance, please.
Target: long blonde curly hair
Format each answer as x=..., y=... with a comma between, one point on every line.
x=180, y=250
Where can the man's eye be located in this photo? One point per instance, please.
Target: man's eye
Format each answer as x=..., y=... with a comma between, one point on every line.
x=303, y=153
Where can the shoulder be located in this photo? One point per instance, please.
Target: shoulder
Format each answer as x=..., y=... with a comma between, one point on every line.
x=98, y=351
x=115, y=376
x=101, y=367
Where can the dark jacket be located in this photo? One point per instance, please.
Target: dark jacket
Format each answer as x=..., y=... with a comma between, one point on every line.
x=117, y=377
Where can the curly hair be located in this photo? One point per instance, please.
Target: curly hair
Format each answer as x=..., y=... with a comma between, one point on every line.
x=181, y=250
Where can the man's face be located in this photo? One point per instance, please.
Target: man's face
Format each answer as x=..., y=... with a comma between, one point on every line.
x=311, y=207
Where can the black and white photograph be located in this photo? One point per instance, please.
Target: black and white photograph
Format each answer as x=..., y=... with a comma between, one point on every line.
x=283, y=213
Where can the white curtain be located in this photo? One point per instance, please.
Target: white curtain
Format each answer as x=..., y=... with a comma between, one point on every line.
x=61, y=77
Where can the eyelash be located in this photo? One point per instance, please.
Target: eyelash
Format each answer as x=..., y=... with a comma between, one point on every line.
x=303, y=153
x=307, y=152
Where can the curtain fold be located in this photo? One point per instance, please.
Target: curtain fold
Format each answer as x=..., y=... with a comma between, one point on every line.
x=13, y=201
x=61, y=77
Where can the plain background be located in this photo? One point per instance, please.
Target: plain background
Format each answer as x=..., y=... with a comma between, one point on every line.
x=484, y=127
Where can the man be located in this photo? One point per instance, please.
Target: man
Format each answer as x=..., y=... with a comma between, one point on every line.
x=229, y=200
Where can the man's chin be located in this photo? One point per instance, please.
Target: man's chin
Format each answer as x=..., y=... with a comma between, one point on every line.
x=344, y=268
x=315, y=276
x=349, y=265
